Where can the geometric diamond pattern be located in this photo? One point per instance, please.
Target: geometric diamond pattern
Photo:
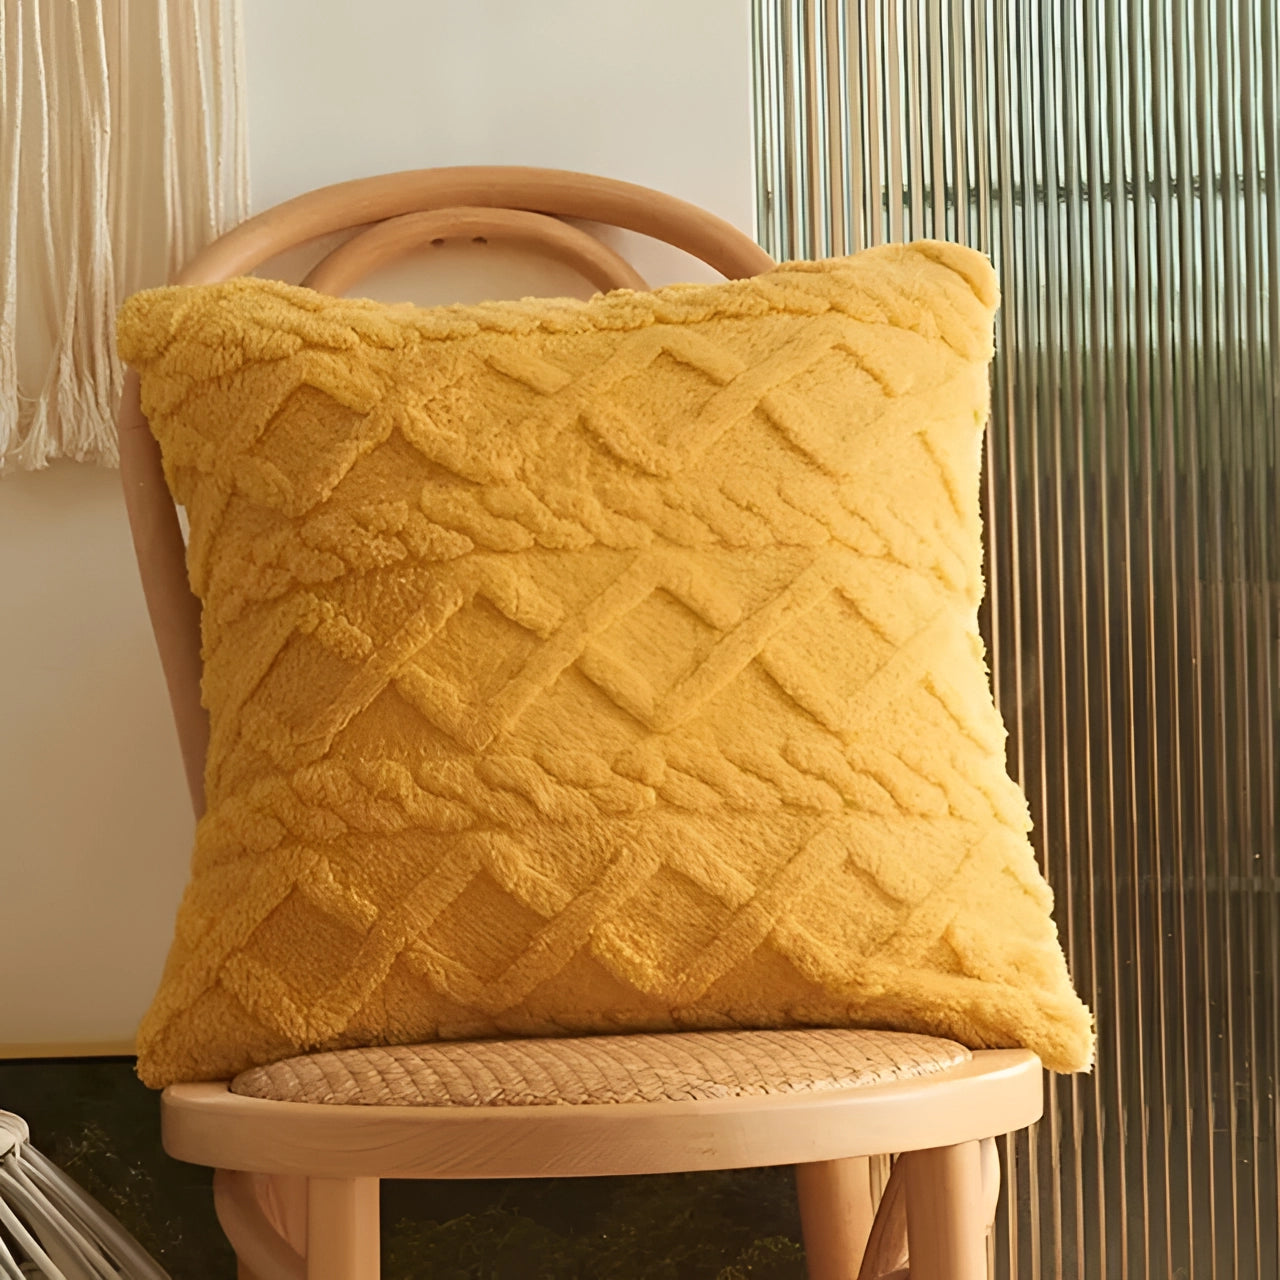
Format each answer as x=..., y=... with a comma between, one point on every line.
x=604, y=666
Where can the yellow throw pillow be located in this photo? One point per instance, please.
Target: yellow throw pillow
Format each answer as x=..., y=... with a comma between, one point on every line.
x=594, y=666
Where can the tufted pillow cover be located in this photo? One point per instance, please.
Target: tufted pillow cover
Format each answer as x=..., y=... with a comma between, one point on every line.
x=594, y=667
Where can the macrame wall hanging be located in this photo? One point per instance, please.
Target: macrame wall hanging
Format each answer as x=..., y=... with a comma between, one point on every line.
x=122, y=151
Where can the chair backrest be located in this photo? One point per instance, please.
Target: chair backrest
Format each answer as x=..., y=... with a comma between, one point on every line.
x=390, y=215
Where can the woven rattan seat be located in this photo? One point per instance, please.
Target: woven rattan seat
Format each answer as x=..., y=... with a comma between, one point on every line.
x=588, y=1070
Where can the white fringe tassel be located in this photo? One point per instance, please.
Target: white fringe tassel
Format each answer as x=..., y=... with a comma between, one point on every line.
x=122, y=152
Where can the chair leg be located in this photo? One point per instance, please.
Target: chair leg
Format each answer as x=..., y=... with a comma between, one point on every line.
x=946, y=1213
x=284, y=1201
x=836, y=1213
x=342, y=1229
x=252, y=1212
x=886, y=1254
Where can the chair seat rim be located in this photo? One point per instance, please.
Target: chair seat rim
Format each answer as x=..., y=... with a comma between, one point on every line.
x=996, y=1091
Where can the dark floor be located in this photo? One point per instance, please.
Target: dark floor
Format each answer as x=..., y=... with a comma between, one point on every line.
x=95, y=1120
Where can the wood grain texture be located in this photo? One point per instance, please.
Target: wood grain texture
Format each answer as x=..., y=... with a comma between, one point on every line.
x=999, y=1090
x=263, y=1253
x=836, y=1215
x=946, y=1222
x=886, y=1248
x=342, y=1229
x=367, y=250
x=559, y=192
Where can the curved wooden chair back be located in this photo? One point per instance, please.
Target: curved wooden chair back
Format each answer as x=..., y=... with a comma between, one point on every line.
x=392, y=214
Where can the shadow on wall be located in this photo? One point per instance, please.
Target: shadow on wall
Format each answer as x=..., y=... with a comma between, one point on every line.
x=94, y=1119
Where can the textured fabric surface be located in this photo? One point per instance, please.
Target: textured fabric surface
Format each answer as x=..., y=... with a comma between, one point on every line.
x=123, y=150
x=605, y=666
x=586, y=1070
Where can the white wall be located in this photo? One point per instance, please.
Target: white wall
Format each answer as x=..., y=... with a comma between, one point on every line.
x=94, y=824
x=94, y=820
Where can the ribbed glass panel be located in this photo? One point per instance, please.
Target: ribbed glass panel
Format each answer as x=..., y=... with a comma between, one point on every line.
x=1118, y=162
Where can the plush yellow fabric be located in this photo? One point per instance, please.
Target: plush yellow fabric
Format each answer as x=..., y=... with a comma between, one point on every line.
x=594, y=666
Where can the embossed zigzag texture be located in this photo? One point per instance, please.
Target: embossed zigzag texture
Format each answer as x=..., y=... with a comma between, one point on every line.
x=602, y=666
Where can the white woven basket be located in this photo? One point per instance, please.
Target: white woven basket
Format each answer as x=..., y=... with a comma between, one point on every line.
x=50, y=1228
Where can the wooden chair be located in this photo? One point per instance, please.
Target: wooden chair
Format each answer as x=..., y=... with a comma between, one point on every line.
x=297, y=1181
